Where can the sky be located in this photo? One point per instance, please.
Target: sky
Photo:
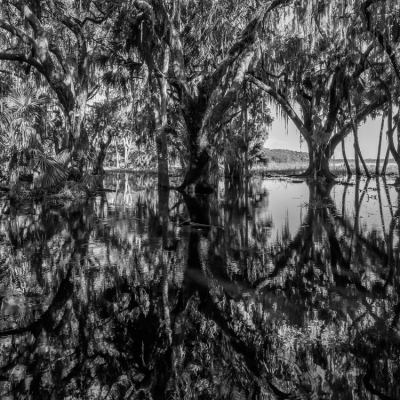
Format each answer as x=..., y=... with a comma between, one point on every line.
x=280, y=137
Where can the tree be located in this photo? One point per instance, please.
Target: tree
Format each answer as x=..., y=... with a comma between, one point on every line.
x=294, y=71
x=23, y=145
x=382, y=22
x=57, y=40
x=206, y=78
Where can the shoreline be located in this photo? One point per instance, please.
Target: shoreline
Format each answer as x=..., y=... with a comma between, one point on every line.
x=289, y=168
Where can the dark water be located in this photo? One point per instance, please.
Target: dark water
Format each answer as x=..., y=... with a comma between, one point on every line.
x=283, y=290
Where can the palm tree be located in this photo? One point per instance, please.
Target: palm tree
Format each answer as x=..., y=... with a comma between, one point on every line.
x=20, y=112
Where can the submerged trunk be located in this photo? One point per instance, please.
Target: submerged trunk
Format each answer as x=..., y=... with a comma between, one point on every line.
x=318, y=164
x=392, y=147
x=348, y=169
x=367, y=173
x=197, y=173
x=321, y=165
x=385, y=163
x=357, y=151
x=162, y=157
x=378, y=157
x=356, y=159
x=163, y=210
x=390, y=133
x=198, y=161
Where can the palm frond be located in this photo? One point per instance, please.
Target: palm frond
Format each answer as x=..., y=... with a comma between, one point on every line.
x=117, y=79
x=63, y=157
x=53, y=172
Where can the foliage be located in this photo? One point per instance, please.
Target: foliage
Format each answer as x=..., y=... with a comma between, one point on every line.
x=285, y=156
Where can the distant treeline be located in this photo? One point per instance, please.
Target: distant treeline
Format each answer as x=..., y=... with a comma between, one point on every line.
x=285, y=156
x=290, y=156
x=367, y=160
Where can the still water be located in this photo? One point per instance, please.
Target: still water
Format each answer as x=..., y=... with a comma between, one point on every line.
x=281, y=290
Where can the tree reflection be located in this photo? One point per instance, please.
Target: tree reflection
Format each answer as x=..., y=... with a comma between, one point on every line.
x=132, y=295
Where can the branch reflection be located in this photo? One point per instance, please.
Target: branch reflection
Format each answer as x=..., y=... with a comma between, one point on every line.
x=143, y=294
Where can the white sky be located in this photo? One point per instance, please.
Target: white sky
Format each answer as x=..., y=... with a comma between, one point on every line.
x=281, y=138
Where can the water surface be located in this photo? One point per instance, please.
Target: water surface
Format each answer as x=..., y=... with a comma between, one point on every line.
x=281, y=290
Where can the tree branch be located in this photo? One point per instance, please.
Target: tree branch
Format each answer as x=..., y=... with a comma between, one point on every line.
x=33, y=20
x=246, y=39
x=223, y=105
x=369, y=109
x=20, y=57
x=56, y=51
x=283, y=103
x=17, y=32
x=361, y=67
x=382, y=38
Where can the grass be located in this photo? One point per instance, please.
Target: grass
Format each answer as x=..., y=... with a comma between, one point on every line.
x=288, y=168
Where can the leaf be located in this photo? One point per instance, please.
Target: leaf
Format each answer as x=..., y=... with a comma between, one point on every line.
x=53, y=172
x=63, y=157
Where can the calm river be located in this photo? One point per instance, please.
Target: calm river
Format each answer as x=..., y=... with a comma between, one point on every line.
x=283, y=290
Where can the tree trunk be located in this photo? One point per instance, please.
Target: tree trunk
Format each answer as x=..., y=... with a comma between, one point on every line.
x=163, y=210
x=195, y=172
x=378, y=157
x=322, y=165
x=246, y=133
x=318, y=164
x=361, y=157
x=116, y=152
x=346, y=161
x=356, y=159
x=226, y=164
x=398, y=141
x=13, y=173
x=357, y=151
x=98, y=168
x=162, y=157
x=378, y=187
x=390, y=131
x=161, y=123
x=197, y=163
x=126, y=154
x=194, y=112
x=385, y=163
